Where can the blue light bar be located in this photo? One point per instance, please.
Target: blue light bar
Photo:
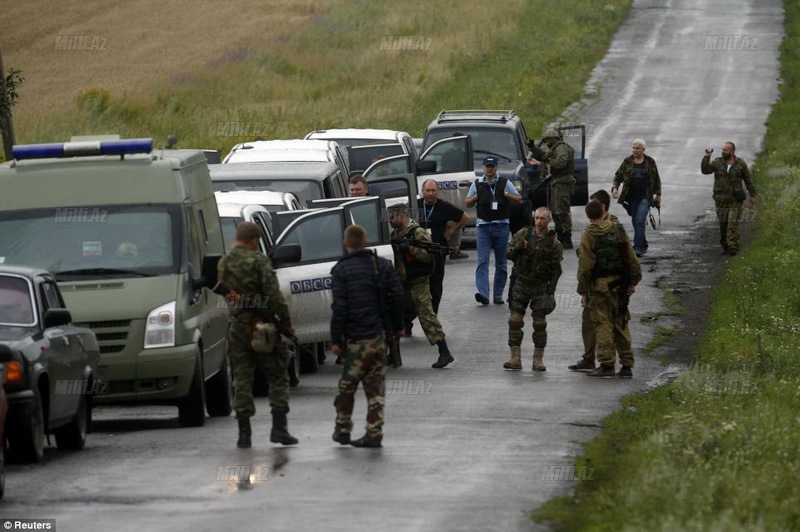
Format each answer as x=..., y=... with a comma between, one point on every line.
x=82, y=148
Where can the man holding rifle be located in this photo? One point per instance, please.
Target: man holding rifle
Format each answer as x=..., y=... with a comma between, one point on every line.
x=608, y=272
x=415, y=265
x=248, y=273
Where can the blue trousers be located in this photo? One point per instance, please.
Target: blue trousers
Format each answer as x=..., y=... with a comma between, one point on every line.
x=492, y=237
x=639, y=213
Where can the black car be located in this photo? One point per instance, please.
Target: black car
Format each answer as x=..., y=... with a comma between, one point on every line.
x=50, y=365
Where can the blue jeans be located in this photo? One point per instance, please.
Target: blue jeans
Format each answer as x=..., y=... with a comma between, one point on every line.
x=492, y=237
x=639, y=213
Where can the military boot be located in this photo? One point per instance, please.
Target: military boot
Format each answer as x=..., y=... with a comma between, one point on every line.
x=244, y=433
x=514, y=362
x=444, y=355
x=280, y=432
x=566, y=239
x=538, y=355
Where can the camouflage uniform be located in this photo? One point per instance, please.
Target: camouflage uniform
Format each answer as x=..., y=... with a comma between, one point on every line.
x=364, y=361
x=562, y=167
x=728, y=209
x=250, y=274
x=599, y=275
x=537, y=268
x=415, y=284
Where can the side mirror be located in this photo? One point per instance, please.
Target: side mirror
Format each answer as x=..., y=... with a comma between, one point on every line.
x=56, y=317
x=208, y=273
x=426, y=167
x=285, y=254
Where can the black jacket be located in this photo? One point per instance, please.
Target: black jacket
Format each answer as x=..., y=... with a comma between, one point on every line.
x=357, y=310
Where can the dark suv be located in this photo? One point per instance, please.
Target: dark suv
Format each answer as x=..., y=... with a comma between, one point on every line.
x=502, y=134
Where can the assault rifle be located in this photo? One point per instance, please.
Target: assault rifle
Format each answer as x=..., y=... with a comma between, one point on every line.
x=624, y=282
x=430, y=247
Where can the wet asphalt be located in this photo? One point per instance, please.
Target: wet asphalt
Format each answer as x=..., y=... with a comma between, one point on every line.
x=470, y=447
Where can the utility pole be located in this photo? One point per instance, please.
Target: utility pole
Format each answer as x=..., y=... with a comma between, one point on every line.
x=6, y=125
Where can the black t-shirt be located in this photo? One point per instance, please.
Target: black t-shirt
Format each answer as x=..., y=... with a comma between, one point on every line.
x=638, y=190
x=436, y=216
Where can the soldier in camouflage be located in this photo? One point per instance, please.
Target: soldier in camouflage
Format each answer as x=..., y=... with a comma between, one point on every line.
x=358, y=332
x=249, y=274
x=604, y=254
x=729, y=173
x=414, y=266
x=537, y=256
x=561, y=157
x=587, y=362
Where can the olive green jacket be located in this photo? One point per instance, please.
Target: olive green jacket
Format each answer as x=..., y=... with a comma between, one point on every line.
x=625, y=171
x=725, y=182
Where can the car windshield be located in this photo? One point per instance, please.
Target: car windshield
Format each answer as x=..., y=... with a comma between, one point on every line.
x=94, y=241
x=16, y=305
x=305, y=189
x=485, y=141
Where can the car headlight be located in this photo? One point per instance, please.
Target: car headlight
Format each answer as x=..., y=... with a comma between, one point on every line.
x=160, y=328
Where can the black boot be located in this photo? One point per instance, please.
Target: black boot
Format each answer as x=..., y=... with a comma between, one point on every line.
x=565, y=239
x=280, y=433
x=444, y=355
x=244, y=433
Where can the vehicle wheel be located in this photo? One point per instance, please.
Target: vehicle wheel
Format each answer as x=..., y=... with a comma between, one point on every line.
x=2, y=473
x=219, y=391
x=192, y=408
x=27, y=443
x=308, y=359
x=320, y=348
x=72, y=436
x=294, y=371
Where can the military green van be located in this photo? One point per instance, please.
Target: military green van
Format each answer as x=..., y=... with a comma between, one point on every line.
x=126, y=231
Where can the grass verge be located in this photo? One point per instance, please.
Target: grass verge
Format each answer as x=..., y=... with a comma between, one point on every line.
x=333, y=73
x=716, y=449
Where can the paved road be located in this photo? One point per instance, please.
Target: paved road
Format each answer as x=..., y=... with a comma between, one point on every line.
x=467, y=448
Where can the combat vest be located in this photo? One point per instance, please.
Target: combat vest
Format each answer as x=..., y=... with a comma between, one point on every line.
x=414, y=268
x=535, y=262
x=485, y=199
x=568, y=171
x=606, y=251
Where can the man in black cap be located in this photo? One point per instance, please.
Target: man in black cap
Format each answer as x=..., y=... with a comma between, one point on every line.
x=492, y=195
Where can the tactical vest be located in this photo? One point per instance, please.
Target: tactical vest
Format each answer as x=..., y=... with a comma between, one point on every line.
x=569, y=169
x=534, y=263
x=415, y=268
x=485, y=199
x=606, y=252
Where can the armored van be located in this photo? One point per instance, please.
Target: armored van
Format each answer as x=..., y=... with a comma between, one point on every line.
x=126, y=231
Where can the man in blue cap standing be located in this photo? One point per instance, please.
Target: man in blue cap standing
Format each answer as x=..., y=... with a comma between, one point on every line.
x=491, y=195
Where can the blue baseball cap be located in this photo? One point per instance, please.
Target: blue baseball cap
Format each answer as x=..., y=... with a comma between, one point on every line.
x=490, y=161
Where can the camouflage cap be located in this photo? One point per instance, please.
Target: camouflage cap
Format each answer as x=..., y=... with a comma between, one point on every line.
x=551, y=134
x=397, y=208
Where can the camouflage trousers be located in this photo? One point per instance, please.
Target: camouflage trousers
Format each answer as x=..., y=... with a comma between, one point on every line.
x=523, y=294
x=365, y=362
x=611, y=334
x=418, y=304
x=244, y=362
x=728, y=213
x=560, y=202
x=622, y=338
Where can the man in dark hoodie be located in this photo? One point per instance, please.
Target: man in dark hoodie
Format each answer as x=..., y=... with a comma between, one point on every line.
x=358, y=332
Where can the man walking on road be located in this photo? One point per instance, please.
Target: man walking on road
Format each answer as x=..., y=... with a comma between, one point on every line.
x=358, y=332
x=729, y=173
x=414, y=266
x=641, y=188
x=443, y=221
x=608, y=272
x=492, y=195
x=249, y=274
x=537, y=268
x=561, y=159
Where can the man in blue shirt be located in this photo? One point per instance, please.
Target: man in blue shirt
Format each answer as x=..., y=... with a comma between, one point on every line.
x=491, y=195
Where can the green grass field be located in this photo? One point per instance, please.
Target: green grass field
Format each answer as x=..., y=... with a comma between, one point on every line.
x=532, y=56
x=717, y=449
